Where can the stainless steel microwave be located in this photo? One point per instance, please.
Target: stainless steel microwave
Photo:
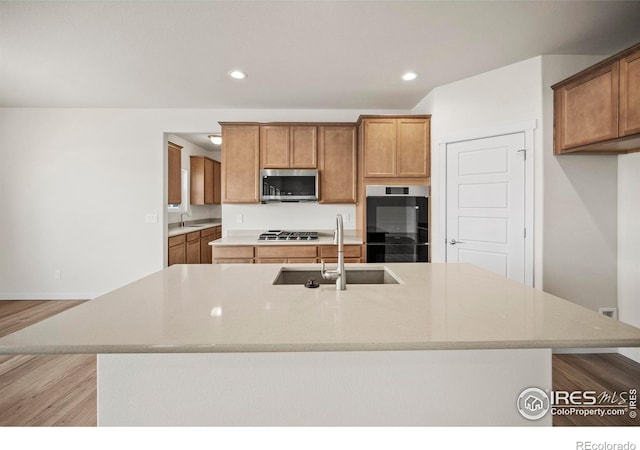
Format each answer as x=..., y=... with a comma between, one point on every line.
x=285, y=185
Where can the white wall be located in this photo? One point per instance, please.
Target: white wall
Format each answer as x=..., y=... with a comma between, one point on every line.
x=575, y=197
x=286, y=216
x=629, y=243
x=580, y=209
x=196, y=211
x=78, y=183
x=476, y=105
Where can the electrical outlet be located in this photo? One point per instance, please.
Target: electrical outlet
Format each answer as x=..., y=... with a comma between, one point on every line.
x=57, y=274
x=347, y=217
x=609, y=312
x=240, y=218
x=151, y=218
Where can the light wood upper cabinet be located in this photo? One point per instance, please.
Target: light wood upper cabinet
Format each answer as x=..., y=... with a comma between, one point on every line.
x=598, y=109
x=203, y=180
x=380, y=147
x=174, y=166
x=337, y=164
x=240, y=163
x=630, y=94
x=396, y=147
x=303, y=150
x=412, y=157
x=288, y=147
x=217, y=183
x=274, y=147
x=586, y=110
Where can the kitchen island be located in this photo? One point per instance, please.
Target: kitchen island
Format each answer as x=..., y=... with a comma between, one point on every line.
x=447, y=344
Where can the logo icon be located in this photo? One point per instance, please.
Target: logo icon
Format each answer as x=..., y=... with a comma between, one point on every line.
x=533, y=403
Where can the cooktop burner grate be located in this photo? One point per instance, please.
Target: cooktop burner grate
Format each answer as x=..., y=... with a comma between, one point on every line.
x=279, y=235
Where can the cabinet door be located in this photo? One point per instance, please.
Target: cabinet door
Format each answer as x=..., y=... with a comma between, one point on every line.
x=205, y=250
x=586, y=111
x=174, y=166
x=177, y=250
x=413, y=144
x=331, y=251
x=286, y=251
x=216, y=183
x=197, y=180
x=233, y=252
x=302, y=260
x=630, y=94
x=272, y=261
x=379, y=147
x=338, y=164
x=177, y=254
x=208, y=181
x=240, y=163
x=274, y=147
x=303, y=149
x=193, y=252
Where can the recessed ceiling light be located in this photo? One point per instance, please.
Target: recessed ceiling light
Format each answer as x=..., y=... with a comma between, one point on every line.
x=215, y=139
x=409, y=76
x=237, y=74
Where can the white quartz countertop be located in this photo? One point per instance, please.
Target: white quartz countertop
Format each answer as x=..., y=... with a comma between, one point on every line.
x=176, y=231
x=235, y=308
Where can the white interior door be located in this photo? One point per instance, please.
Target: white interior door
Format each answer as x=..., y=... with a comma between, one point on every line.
x=486, y=204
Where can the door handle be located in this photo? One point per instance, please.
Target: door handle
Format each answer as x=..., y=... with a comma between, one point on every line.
x=454, y=242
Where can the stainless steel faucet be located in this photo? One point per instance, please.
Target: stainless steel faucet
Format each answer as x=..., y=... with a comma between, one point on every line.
x=182, y=218
x=338, y=274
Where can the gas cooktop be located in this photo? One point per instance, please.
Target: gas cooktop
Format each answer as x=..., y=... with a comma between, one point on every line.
x=279, y=235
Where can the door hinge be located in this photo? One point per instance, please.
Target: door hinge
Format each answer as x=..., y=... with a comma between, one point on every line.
x=524, y=150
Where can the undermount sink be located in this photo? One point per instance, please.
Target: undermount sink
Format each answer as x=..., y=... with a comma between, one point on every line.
x=293, y=276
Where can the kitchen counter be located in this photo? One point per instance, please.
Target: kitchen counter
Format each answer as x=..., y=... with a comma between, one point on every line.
x=251, y=238
x=220, y=345
x=235, y=308
x=197, y=226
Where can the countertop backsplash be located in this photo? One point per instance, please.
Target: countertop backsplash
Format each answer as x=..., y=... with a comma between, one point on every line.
x=198, y=212
x=287, y=216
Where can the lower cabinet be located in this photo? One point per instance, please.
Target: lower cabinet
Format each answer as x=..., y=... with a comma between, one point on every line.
x=177, y=250
x=286, y=254
x=240, y=254
x=283, y=254
x=352, y=253
x=206, y=236
x=193, y=248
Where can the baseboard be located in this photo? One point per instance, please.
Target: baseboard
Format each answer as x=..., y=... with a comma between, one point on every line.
x=577, y=351
x=631, y=353
x=48, y=296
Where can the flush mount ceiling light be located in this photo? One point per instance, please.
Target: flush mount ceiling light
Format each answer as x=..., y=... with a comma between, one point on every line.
x=409, y=76
x=237, y=74
x=215, y=139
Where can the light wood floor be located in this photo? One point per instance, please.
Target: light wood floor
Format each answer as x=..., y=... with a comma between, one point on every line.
x=60, y=390
x=44, y=390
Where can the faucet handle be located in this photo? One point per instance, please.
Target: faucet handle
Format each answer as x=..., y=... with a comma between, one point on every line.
x=328, y=274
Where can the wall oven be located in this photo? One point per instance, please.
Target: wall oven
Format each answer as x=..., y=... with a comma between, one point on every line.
x=397, y=218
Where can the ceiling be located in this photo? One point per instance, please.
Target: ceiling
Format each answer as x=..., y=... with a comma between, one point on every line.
x=309, y=54
x=200, y=140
